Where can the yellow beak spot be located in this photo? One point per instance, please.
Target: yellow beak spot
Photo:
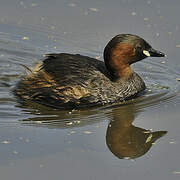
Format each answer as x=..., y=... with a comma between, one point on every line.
x=146, y=53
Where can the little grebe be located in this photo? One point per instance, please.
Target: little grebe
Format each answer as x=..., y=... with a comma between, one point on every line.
x=74, y=81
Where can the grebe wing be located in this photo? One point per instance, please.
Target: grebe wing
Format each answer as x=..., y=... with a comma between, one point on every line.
x=72, y=68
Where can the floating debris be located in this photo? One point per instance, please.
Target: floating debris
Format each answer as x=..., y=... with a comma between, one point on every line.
x=25, y=38
x=94, y=9
x=15, y=152
x=21, y=138
x=169, y=33
x=173, y=142
x=146, y=19
x=163, y=62
x=176, y=172
x=157, y=34
x=87, y=132
x=72, y=132
x=34, y=4
x=72, y=4
x=41, y=165
x=5, y=142
x=133, y=13
x=178, y=79
x=27, y=140
x=52, y=27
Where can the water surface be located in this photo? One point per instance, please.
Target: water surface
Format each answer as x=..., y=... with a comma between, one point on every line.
x=138, y=139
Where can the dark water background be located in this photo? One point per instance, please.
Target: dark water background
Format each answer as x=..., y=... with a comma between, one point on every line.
x=139, y=140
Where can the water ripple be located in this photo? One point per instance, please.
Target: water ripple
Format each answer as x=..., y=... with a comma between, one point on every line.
x=161, y=80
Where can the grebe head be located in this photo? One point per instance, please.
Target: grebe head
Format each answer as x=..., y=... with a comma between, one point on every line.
x=125, y=49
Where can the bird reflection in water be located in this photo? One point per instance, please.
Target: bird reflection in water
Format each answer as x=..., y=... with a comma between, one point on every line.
x=125, y=140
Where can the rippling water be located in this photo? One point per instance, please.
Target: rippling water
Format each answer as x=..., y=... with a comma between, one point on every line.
x=161, y=80
x=137, y=139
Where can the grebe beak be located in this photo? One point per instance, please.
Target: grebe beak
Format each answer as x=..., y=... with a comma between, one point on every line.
x=153, y=53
